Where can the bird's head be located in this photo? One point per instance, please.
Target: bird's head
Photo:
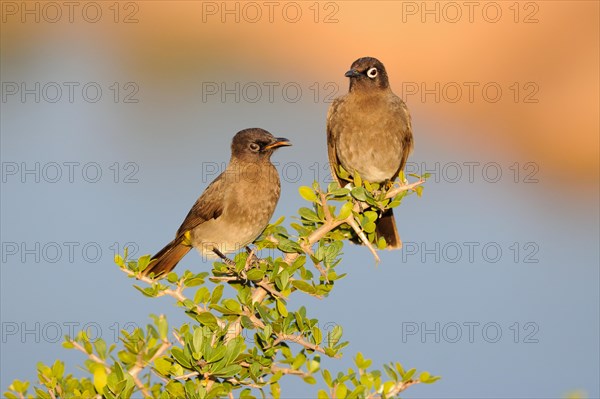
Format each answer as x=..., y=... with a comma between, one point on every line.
x=255, y=145
x=367, y=73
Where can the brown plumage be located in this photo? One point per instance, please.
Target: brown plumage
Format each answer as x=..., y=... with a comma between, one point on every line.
x=369, y=131
x=234, y=209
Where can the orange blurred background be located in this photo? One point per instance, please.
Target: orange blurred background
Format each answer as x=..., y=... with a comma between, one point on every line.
x=552, y=44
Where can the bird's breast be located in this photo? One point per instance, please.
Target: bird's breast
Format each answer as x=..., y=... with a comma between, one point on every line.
x=369, y=137
x=249, y=204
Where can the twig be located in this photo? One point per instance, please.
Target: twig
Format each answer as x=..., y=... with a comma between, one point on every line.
x=259, y=295
x=289, y=371
x=314, y=238
x=235, y=381
x=91, y=356
x=325, y=206
x=361, y=234
x=300, y=341
x=233, y=330
x=50, y=390
x=187, y=376
x=140, y=365
x=399, y=387
x=406, y=187
x=265, y=285
x=176, y=293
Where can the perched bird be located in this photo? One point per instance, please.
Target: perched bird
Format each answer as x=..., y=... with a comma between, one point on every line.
x=234, y=209
x=369, y=132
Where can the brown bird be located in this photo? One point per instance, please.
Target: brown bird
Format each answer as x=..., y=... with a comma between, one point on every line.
x=369, y=132
x=234, y=209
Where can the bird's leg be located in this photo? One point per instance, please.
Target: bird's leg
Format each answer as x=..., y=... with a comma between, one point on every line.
x=252, y=258
x=225, y=258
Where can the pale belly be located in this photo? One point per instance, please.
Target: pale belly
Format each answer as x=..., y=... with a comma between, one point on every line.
x=375, y=160
x=241, y=222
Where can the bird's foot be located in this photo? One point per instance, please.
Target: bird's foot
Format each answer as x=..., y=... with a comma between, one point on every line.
x=252, y=258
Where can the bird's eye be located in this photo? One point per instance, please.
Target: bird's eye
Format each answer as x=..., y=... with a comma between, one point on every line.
x=372, y=72
x=254, y=147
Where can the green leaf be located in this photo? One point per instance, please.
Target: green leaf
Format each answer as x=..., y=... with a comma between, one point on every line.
x=202, y=295
x=99, y=376
x=288, y=246
x=100, y=346
x=281, y=308
x=68, y=345
x=163, y=327
x=313, y=365
x=216, y=354
x=284, y=277
x=298, y=361
x=357, y=179
x=247, y=323
x=359, y=193
x=216, y=294
x=309, y=214
x=207, y=319
x=371, y=215
x=327, y=378
x=341, y=391
x=172, y=277
x=255, y=275
x=400, y=370
x=162, y=365
x=143, y=262
x=303, y=286
x=335, y=335
x=310, y=380
x=307, y=193
x=119, y=260
x=390, y=372
x=345, y=210
x=339, y=192
x=317, y=335
x=369, y=227
x=197, y=339
x=408, y=375
x=361, y=362
x=232, y=305
x=228, y=371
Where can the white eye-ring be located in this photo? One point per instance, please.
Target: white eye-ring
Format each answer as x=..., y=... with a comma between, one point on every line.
x=372, y=72
x=254, y=147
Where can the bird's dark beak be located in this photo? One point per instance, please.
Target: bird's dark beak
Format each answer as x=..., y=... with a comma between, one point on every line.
x=352, y=73
x=279, y=142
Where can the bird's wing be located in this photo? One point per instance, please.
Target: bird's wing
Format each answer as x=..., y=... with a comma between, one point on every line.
x=332, y=131
x=208, y=206
x=405, y=132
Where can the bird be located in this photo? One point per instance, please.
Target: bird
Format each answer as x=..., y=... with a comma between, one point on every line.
x=234, y=209
x=369, y=132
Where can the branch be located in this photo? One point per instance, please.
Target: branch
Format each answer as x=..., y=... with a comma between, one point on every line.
x=314, y=238
x=361, y=234
x=177, y=293
x=406, y=187
x=399, y=387
x=301, y=341
x=187, y=376
x=139, y=366
x=91, y=356
x=283, y=370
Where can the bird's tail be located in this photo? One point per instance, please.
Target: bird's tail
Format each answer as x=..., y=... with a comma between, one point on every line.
x=386, y=228
x=167, y=258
